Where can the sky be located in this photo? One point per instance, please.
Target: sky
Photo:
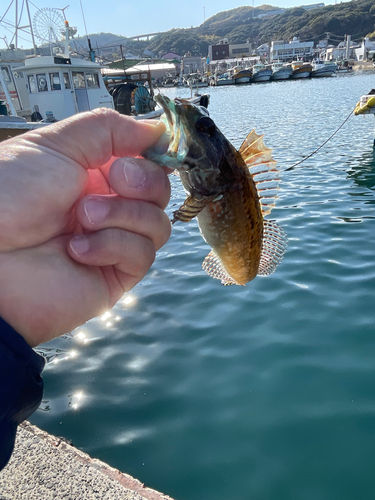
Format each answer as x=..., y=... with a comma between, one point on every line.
x=127, y=18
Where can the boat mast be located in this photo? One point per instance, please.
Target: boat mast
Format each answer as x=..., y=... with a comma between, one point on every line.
x=31, y=26
x=18, y=27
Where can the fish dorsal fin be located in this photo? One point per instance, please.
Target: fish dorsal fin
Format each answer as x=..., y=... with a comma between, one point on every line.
x=214, y=268
x=262, y=167
x=273, y=247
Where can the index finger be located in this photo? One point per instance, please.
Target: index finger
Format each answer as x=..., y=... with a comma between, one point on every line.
x=92, y=138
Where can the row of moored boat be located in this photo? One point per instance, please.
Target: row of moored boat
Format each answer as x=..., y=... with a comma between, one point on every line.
x=278, y=71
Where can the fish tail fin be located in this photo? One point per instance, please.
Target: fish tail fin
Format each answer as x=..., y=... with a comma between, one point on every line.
x=274, y=244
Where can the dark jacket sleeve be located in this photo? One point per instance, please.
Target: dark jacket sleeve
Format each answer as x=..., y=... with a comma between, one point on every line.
x=21, y=386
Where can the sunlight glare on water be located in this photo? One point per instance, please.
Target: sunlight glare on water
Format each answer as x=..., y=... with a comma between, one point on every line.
x=207, y=392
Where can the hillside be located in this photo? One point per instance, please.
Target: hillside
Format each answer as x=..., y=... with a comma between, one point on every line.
x=108, y=42
x=355, y=17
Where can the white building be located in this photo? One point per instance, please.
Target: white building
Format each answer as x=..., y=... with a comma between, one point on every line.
x=263, y=50
x=290, y=51
x=191, y=64
x=362, y=53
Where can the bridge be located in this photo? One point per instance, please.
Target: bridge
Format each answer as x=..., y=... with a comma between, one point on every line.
x=147, y=35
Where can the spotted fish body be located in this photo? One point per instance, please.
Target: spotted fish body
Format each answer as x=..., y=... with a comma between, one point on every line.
x=229, y=192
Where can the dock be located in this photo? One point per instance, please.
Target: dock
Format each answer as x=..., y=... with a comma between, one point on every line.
x=45, y=467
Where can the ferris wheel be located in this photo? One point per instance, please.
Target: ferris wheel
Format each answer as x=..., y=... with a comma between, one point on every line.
x=48, y=24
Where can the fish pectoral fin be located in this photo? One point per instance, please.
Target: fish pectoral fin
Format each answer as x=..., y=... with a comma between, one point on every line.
x=273, y=247
x=214, y=268
x=190, y=209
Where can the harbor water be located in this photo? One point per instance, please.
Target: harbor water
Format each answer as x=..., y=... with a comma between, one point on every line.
x=262, y=392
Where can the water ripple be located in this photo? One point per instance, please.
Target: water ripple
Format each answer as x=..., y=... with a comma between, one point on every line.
x=211, y=392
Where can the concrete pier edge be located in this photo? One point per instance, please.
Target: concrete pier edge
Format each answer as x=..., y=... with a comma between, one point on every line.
x=45, y=467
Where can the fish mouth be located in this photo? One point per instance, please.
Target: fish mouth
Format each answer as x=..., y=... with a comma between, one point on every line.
x=176, y=133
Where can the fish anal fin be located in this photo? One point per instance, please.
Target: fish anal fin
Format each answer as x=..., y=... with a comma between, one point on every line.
x=274, y=244
x=190, y=209
x=214, y=268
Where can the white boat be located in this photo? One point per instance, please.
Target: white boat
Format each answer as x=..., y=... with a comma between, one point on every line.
x=224, y=79
x=61, y=86
x=321, y=68
x=261, y=73
x=281, y=71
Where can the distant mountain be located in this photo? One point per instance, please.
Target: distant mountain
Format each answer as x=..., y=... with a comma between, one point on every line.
x=108, y=42
x=356, y=18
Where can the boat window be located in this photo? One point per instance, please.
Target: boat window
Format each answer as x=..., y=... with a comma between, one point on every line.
x=79, y=79
x=42, y=82
x=54, y=79
x=67, y=81
x=32, y=84
x=92, y=80
x=5, y=73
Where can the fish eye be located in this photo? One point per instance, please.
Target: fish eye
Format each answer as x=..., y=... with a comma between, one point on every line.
x=206, y=126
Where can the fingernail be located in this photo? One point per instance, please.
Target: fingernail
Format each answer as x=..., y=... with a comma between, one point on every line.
x=134, y=175
x=96, y=210
x=152, y=123
x=79, y=244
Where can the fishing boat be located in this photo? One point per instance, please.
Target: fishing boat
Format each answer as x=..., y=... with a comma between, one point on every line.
x=224, y=79
x=61, y=86
x=261, y=73
x=300, y=69
x=281, y=71
x=241, y=75
x=344, y=65
x=323, y=68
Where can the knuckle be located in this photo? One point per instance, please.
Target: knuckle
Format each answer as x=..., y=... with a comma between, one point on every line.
x=145, y=258
x=165, y=230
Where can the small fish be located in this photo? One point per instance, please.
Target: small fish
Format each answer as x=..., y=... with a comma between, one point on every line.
x=229, y=192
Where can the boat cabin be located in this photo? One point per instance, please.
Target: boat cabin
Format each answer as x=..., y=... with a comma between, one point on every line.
x=60, y=86
x=12, y=85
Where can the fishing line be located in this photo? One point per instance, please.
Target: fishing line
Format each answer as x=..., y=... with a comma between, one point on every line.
x=320, y=147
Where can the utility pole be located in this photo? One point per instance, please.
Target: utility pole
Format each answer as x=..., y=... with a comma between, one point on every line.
x=348, y=40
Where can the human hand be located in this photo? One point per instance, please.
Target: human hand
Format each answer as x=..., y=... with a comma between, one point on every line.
x=77, y=229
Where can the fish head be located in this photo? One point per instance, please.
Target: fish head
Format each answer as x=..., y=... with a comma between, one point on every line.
x=192, y=144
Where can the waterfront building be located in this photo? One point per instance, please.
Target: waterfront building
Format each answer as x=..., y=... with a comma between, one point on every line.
x=191, y=64
x=344, y=50
x=281, y=51
x=226, y=50
x=362, y=53
x=263, y=51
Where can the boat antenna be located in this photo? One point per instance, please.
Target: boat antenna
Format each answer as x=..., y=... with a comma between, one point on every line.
x=92, y=52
